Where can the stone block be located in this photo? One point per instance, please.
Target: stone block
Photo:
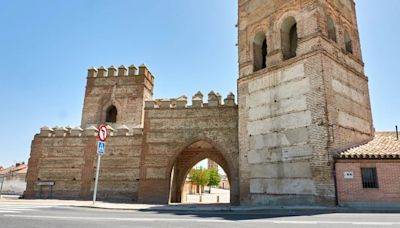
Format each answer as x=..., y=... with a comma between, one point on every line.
x=61, y=132
x=46, y=131
x=155, y=173
x=181, y=102
x=278, y=123
x=353, y=122
x=165, y=103
x=132, y=70
x=112, y=71
x=122, y=71
x=149, y=104
x=300, y=169
x=197, y=102
x=123, y=130
x=91, y=131
x=76, y=132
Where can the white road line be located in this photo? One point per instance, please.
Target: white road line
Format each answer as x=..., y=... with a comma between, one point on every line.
x=205, y=220
x=10, y=211
x=10, y=208
x=337, y=222
x=17, y=209
x=123, y=219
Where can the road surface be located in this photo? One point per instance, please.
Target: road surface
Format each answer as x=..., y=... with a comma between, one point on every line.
x=43, y=216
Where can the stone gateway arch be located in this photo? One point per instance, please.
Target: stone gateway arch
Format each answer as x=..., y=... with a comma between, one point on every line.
x=302, y=97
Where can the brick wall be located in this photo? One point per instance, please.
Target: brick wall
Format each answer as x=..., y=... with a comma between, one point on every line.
x=351, y=191
x=70, y=162
x=168, y=132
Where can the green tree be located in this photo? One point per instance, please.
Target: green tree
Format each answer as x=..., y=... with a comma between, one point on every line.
x=213, y=177
x=200, y=177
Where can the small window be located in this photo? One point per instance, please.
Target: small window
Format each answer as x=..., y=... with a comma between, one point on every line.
x=369, y=178
x=348, y=42
x=289, y=38
x=260, y=52
x=331, y=30
x=111, y=116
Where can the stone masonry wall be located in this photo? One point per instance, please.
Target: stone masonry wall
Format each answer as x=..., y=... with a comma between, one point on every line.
x=294, y=114
x=282, y=114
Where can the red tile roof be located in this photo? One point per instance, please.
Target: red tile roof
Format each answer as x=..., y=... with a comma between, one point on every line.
x=15, y=169
x=385, y=145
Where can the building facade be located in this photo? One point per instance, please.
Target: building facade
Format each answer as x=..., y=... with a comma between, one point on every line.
x=12, y=179
x=302, y=98
x=368, y=175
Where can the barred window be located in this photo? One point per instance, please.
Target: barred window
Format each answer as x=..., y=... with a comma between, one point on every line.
x=369, y=178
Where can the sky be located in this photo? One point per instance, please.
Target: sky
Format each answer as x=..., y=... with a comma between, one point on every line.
x=47, y=46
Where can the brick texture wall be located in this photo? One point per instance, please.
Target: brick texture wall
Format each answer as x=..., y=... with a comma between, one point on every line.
x=351, y=191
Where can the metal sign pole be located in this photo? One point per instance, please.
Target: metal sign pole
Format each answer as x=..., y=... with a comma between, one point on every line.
x=102, y=135
x=1, y=186
x=97, y=179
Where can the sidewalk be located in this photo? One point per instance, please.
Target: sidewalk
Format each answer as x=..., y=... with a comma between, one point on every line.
x=197, y=207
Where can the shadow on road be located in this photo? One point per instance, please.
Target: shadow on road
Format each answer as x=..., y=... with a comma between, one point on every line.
x=228, y=213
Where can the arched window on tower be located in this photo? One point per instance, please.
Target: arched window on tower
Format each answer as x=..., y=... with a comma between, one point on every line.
x=260, y=51
x=111, y=115
x=348, y=42
x=331, y=30
x=289, y=38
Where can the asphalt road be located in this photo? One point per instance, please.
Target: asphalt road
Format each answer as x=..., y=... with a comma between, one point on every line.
x=19, y=216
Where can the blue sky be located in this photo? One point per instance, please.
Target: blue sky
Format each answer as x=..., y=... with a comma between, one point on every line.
x=46, y=47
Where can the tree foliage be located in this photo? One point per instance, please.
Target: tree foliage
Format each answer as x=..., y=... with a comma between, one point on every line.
x=213, y=177
x=199, y=176
x=205, y=177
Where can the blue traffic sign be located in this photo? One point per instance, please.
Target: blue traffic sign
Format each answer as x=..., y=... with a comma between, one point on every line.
x=101, y=148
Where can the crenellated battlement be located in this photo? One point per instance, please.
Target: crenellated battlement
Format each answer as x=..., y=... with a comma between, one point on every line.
x=91, y=131
x=214, y=100
x=121, y=71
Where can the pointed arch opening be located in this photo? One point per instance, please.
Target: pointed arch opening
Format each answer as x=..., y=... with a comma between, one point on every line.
x=111, y=114
x=331, y=30
x=260, y=51
x=289, y=38
x=348, y=42
x=198, y=157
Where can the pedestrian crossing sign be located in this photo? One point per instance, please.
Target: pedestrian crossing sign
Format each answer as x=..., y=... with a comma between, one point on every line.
x=101, y=148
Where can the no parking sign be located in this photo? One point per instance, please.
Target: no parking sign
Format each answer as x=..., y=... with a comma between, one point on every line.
x=103, y=133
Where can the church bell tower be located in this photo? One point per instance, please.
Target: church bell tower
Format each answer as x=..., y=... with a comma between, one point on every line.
x=303, y=96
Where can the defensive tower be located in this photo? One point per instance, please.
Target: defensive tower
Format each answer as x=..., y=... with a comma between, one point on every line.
x=116, y=97
x=302, y=96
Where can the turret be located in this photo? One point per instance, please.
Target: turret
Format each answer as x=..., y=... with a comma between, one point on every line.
x=116, y=96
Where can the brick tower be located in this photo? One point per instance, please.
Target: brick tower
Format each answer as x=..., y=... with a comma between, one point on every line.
x=116, y=97
x=303, y=96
